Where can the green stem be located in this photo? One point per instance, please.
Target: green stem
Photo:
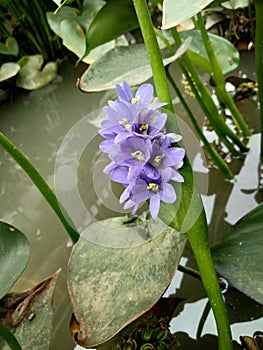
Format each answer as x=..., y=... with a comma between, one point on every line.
x=219, y=79
x=206, y=102
x=217, y=159
x=159, y=76
x=259, y=61
x=40, y=183
x=9, y=337
x=197, y=233
x=189, y=271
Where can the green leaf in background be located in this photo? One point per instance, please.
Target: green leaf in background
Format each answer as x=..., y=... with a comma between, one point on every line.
x=14, y=255
x=235, y=4
x=72, y=26
x=124, y=63
x=238, y=256
x=176, y=12
x=33, y=75
x=10, y=47
x=227, y=54
x=8, y=70
x=29, y=314
x=110, y=287
x=117, y=17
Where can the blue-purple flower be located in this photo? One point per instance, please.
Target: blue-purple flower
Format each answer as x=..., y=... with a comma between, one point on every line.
x=141, y=152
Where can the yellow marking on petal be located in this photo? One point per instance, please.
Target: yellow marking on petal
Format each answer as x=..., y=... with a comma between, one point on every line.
x=144, y=128
x=157, y=159
x=123, y=121
x=153, y=187
x=138, y=155
x=134, y=100
x=127, y=127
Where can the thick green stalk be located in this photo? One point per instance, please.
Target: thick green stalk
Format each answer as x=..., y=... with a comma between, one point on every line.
x=217, y=159
x=159, y=76
x=40, y=183
x=206, y=102
x=9, y=337
x=219, y=79
x=197, y=233
x=259, y=61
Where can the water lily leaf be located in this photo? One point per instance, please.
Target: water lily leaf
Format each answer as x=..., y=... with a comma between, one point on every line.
x=124, y=63
x=110, y=287
x=235, y=4
x=176, y=12
x=72, y=26
x=238, y=257
x=226, y=53
x=14, y=255
x=29, y=314
x=32, y=75
x=8, y=70
x=10, y=47
x=114, y=19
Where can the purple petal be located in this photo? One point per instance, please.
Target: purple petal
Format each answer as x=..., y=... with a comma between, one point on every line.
x=168, y=193
x=125, y=194
x=144, y=93
x=174, y=155
x=155, y=205
x=124, y=92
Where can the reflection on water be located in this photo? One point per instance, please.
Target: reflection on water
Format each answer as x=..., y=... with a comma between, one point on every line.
x=38, y=122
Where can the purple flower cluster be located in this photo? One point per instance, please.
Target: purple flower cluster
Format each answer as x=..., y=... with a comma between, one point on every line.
x=142, y=158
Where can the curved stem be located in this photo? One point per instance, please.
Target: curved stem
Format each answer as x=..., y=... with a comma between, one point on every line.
x=40, y=183
x=217, y=159
x=220, y=80
x=197, y=233
x=206, y=102
x=9, y=337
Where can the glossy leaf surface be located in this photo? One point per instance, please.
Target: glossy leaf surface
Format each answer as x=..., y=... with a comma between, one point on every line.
x=71, y=26
x=117, y=17
x=14, y=255
x=10, y=47
x=110, y=287
x=226, y=53
x=238, y=257
x=124, y=63
x=8, y=70
x=176, y=12
x=33, y=75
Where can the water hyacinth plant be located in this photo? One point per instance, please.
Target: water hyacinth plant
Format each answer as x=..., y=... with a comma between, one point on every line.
x=108, y=268
x=141, y=153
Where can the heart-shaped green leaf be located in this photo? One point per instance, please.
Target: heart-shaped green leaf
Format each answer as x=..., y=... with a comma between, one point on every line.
x=226, y=53
x=117, y=17
x=32, y=75
x=14, y=255
x=109, y=286
x=10, y=47
x=238, y=257
x=29, y=314
x=124, y=63
x=8, y=70
x=176, y=12
x=72, y=26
